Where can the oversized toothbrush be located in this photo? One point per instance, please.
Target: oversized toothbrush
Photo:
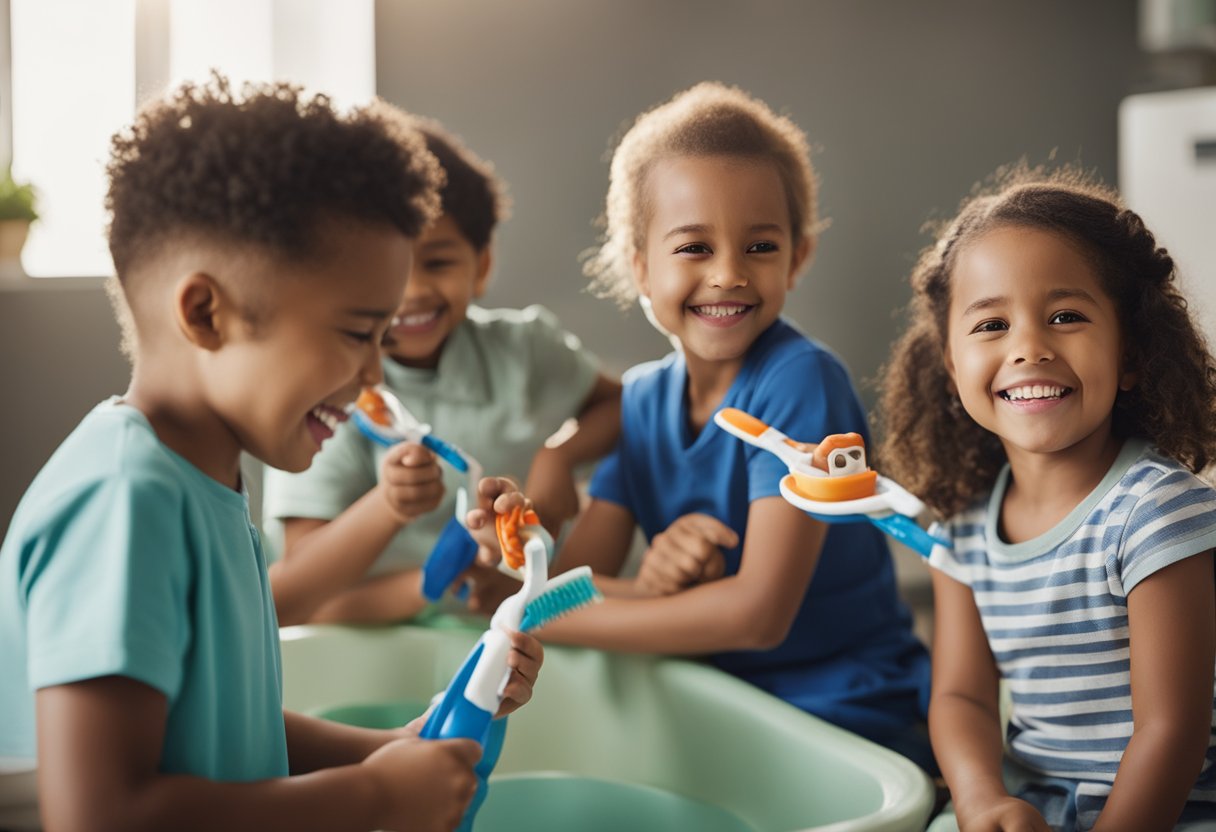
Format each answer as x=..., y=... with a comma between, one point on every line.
x=474, y=695
x=382, y=417
x=831, y=482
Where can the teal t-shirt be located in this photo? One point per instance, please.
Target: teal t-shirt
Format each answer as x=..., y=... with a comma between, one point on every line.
x=506, y=381
x=125, y=559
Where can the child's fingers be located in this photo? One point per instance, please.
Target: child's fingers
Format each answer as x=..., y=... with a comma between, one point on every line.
x=714, y=568
x=409, y=454
x=527, y=654
x=466, y=751
x=712, y=529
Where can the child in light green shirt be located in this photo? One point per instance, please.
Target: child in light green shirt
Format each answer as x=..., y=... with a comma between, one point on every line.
x=356, y=527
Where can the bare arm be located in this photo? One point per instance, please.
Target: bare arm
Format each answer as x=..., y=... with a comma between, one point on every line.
x=964, y=714
x=550, y=481
x=393, y=597
x=750, y=610
x=1172, y=625
x=322, y=559
x=99, y=745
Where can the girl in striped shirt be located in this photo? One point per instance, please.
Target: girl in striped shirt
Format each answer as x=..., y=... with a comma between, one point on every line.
x=1052, y=398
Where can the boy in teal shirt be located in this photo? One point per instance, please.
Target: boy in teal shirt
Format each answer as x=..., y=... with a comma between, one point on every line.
x=358, y=525
x=261, y=246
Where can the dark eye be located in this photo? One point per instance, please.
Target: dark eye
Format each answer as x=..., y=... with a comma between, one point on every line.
x=361, y=337
x=437, y=265
x=855, y=454
x=762, y=247
x=841, y=462
x=694, y=248
x=991, y=326
x=1068, y=317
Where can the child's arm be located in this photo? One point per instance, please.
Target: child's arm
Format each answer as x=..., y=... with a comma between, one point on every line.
x=550, y=481
x=323, y=559
x=752, y=609
x=964, y=714
x=100, y=742
x=1172, y=632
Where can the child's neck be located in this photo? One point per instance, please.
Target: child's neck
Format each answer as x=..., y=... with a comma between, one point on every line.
x=708, y=384
x=190, y=430
x=1044, y=488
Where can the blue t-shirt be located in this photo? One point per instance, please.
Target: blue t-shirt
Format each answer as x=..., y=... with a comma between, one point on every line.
x=850, y=656
x=125, y=559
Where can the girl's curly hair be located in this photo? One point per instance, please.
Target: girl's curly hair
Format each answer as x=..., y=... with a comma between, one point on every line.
x=266, y=167
x=709, y=119
x=936, y=450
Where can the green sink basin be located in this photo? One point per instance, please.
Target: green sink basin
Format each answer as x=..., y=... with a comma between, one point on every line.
x=613, y=741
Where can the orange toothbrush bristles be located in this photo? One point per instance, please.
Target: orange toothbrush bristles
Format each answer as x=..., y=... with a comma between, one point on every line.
x=507, y=527
x=372, y=403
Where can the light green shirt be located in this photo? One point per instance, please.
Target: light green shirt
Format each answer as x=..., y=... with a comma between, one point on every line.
x=507, y=379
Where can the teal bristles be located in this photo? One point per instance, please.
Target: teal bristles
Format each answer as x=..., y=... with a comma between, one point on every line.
x=563, y=594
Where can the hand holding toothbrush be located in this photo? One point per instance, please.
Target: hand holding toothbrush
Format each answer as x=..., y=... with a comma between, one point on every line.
x=410, y=481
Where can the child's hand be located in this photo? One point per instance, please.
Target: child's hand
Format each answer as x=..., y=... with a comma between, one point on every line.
x=525, y=659
x=487, y=588
x=1009, y=814
x=495, y=495
x=424, y=784
x=410, y=480
x=688, y=551
x=551, y=486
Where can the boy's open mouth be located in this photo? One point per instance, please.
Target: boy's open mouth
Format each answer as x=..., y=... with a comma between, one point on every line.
x=417, y=320
x=1034, y=392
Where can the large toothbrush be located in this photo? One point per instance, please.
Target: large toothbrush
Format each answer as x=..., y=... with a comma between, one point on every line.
x=467, y=707
x=383, y=418
x=843, y=490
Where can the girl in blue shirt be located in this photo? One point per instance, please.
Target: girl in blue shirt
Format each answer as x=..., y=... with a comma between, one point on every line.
x=711, y=215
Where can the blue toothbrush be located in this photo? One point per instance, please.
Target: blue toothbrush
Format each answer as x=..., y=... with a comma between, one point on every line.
x=467, y=707
x=382, y=418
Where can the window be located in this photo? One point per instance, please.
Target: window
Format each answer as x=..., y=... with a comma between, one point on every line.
x=80, y=67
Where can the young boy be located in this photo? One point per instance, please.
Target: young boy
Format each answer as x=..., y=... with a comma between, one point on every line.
x=261, y=245
x=358, y=525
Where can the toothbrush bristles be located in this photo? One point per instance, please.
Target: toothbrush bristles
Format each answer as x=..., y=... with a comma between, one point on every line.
x=565, y=593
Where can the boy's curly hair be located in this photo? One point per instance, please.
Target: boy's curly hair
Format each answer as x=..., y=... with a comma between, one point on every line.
x=709, y=119
x=472, y=194
x=266, y=167
x=936, y=450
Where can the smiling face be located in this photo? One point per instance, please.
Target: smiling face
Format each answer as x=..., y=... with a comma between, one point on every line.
x=1033, y=342
x=448, y=274
x=719, y=254
x=280, y=383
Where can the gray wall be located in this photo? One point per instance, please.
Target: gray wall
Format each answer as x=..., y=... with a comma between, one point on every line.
x=907, y=103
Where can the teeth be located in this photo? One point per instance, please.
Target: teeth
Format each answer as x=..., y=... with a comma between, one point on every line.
x=718, y=311
x=1034, y=391
x=416, y=319
x=326, y=416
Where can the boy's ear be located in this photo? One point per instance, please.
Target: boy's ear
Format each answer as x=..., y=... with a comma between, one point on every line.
x=197, y=303
x=641, y=278
x=485, y=261
x=802, y=256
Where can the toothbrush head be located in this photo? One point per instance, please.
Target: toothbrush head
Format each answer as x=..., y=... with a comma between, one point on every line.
x=507, y=527
x=567, y=592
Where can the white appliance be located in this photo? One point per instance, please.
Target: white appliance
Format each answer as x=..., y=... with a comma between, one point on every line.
x=1167, y=174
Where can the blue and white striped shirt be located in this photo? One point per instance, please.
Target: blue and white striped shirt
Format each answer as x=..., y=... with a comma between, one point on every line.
x=1054, y=610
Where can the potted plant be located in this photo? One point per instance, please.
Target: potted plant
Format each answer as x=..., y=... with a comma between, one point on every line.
x=18, y=208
